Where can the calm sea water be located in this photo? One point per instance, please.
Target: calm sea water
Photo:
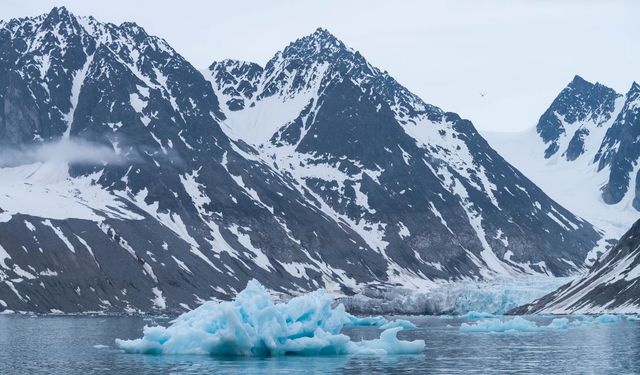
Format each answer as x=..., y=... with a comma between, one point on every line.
x=85, y=345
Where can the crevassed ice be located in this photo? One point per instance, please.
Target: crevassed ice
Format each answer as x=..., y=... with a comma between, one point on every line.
x=253, y=325
x=495, y=297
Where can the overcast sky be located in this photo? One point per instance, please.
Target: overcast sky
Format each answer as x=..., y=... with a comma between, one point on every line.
x=519, y=54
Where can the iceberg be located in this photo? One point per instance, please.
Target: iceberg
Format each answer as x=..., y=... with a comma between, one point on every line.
x=253, y=325
x=600, y=319
x=517, y=324
x=404, y=324
x=520, y=324
x=477, y=315
x=607, y=318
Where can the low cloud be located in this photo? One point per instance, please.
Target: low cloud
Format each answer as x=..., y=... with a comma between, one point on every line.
x=73, y=151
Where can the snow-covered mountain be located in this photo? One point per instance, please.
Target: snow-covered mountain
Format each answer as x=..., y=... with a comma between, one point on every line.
x=419, y=184
x=584, y=153
x=126, y=185
x=175, y=214
x=611, y=286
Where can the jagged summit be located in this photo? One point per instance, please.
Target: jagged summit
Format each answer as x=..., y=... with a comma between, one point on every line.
x=579, y=81
x=60, y=11
x=61, y=18
x=578, y=105
x=319, y=42
x=580, y=85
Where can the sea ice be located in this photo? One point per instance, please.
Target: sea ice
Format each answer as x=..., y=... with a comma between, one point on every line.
x=517, y=324
x=253, y=325
x=404, y=324
x=601, y=319
x=607, y=318
x=520, y=324
x=477, y=315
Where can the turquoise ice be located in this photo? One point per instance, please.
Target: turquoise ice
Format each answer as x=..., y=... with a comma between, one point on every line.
x=253, y=325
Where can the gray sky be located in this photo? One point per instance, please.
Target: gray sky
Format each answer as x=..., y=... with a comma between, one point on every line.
x=519, y=53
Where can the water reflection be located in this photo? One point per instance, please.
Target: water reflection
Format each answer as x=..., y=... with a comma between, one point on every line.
x=65, y=345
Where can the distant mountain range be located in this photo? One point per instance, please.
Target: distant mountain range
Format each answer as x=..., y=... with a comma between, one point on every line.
x=130, y=181
x=584, y=153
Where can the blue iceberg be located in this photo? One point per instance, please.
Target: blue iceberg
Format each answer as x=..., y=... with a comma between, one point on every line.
x=477, y=315
x=517, y=324
x=253, y=325
x=601, y=319
x=404, y=324
x=607, y=318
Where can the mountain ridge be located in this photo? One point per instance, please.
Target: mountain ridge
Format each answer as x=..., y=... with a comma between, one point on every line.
x=192, y=210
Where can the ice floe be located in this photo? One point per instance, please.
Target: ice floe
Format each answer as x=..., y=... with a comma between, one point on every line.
x=520, y=324
x=253, y=325
x=517, y=324
x=477, y=315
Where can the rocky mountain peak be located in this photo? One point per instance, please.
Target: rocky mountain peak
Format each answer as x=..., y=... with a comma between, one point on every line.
x=580, y=105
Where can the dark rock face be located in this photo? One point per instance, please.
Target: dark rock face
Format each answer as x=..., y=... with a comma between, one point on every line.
x=620, y=151
x=363, y=184
x=610, y=286
x=235, y=80
x=580, y=101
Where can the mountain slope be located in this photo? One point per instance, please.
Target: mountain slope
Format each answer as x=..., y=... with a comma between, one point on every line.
x=127, y=186
x=132, y=197
x=584, y=153
x=408, y=176
x=611, y=286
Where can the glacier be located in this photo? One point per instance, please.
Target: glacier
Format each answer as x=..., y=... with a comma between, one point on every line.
x=253, y=325
x=495, y=297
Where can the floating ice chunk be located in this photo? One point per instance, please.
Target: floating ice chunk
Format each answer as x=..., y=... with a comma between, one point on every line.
x=404, y=324
x=375, y=321
x=100, y=346
x=380, y=322
x=607, y=318
x=601, y=319
x=517, y=324
x=253, y=325
x=632, y=318
x=477, y=315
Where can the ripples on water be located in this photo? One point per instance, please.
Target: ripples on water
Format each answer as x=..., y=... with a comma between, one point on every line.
x=72, y=345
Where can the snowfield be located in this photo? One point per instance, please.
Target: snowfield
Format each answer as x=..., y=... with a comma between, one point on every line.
x=574, y=184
